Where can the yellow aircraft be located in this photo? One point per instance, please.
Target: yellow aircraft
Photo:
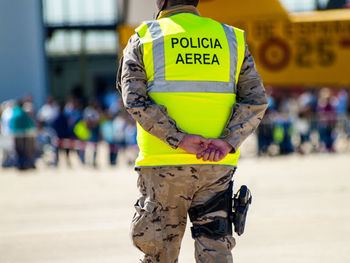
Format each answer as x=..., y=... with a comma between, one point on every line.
x=290, y=49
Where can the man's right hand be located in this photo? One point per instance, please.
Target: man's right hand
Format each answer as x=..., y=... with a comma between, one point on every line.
x=194, y=144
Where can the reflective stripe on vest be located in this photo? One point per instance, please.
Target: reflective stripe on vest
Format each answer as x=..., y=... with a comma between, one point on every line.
x=192, y=65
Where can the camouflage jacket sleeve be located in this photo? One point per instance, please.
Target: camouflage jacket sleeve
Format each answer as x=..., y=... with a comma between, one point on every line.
x=251, y=103
x=132, y=83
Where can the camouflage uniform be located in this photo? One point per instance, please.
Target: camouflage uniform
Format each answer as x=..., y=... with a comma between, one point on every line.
x=168, y=192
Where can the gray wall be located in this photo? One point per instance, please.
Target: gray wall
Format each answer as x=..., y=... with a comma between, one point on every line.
x=22, y=56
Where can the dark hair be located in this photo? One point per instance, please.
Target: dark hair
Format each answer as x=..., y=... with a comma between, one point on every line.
x=186, y=2
x=161, y=4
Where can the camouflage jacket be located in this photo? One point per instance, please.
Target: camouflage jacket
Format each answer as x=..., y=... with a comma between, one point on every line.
x=247, y=112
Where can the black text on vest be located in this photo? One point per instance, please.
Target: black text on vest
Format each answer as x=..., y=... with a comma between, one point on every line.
x=196, y=58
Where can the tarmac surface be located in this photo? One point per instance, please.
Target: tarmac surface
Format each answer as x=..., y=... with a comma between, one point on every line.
x=300, y=212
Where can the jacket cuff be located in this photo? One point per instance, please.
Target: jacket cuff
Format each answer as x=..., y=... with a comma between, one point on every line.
x=230, y=139
x=174, y=139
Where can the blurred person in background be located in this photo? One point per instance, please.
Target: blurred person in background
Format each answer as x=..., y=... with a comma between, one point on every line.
x=63, y=133
x=108, y=132
x=119, y=125
x=87, y=131
x=265, y=134
x=92, y=116
x=73, y=110
x=6, y=113
x=283, y=131
x=112, y=102
x=119, y=133
x=303, y=129
x=82, y=134
x=46, y=143
x=8, y=153
x=308, y=107
x=341, y=103
x=326, y=120
x=265, y=129
x=22, y=127
x=28, y=106
x=48, y=112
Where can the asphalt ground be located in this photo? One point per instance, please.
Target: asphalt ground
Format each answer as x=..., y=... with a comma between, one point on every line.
x=300, y=212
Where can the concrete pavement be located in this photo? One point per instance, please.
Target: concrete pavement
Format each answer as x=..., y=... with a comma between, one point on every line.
x=300, y=213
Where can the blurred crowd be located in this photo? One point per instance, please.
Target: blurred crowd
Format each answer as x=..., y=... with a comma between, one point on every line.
x=302, y=121
x=72, y=127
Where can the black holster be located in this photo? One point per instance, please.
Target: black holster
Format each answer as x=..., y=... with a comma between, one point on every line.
x=236, y=207
x=241, y=201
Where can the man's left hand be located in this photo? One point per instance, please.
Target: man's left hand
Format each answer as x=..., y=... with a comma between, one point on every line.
x=216, y=151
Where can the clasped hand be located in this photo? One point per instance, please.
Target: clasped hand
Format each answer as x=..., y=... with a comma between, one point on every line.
x=213, y=150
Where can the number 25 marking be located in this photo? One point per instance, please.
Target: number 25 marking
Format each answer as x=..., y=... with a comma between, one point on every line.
x=322, y=48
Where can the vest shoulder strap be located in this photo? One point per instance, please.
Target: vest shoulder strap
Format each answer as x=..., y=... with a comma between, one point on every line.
x=141, y=30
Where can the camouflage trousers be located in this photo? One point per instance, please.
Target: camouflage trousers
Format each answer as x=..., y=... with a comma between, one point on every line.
x=161, y=212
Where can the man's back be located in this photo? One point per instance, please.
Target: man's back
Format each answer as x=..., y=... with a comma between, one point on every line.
x=191, y=65
x=191, y=85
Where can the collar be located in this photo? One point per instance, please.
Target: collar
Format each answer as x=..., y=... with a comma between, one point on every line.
x=178, y=9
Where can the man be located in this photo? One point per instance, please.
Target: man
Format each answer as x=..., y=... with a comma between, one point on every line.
x=192, y=86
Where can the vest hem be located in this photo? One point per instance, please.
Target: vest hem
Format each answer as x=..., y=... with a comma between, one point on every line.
x=181, y=165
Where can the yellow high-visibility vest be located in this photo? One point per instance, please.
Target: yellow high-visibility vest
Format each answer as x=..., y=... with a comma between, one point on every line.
x=82, y=131
x=192, y=65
